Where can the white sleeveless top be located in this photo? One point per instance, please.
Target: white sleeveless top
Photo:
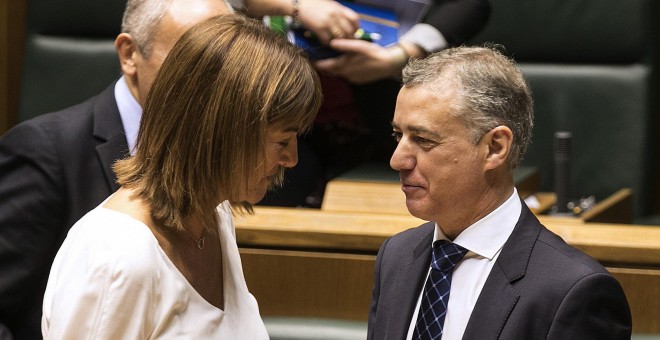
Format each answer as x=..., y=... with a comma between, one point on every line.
x=111, y=280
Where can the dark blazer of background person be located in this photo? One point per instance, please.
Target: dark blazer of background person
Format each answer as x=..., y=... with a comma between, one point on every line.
x=59, y=167
x=511, y=305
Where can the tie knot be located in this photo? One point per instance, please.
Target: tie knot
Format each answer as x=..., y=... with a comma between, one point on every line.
x=446, y=255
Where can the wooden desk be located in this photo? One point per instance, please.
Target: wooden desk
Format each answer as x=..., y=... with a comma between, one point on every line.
x=386, y=197
x=306, y=262
x=12, y=33
x=375, y=188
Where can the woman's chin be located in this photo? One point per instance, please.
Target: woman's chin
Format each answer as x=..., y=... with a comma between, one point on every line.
x=257, y=192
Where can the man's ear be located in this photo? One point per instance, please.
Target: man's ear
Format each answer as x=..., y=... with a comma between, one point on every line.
x=126, y=50
x=499, y=141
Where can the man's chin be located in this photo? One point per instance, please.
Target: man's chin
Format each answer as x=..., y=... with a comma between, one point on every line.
x=417, y=209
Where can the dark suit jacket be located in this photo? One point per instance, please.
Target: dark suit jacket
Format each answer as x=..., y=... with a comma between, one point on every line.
x=53, y=169
x=539, y=288
x=458, y=21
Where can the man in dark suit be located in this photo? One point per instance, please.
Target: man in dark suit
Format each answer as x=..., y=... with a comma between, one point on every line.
x=463, y=120
x=56, y=167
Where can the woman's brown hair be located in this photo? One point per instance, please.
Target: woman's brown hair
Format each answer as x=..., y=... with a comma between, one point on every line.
x=203, y=128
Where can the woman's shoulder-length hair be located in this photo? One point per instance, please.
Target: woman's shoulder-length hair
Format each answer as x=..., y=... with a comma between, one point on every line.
x=203, y=128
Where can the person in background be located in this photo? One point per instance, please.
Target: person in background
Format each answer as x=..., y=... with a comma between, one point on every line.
x=158, y=258
x=361, y=85
x=425, y=27
x=57, y=167
x=328, y=19
x=483, y=267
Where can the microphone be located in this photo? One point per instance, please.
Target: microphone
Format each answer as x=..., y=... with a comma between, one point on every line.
x=562, y=159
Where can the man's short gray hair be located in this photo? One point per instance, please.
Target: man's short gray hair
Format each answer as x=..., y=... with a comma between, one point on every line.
x=491, y=91
x=141, y=20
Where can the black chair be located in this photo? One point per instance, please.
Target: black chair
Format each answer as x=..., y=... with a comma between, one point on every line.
x=592, y=71
x=69, y=53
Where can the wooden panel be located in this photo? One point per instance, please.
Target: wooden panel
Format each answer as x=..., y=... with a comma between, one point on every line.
x=311, y=284
x=312, y=228
x=12, y=27
x=352, y=193
x=363, y=196
x=386, y=197
x=344, y=246
x=618, y=208
x=361, y=232
x=642, y=288
x=331, y=285
x=611, y=243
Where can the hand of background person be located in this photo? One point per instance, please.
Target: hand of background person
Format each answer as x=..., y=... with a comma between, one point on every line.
x=328, y=19
x=364, y=62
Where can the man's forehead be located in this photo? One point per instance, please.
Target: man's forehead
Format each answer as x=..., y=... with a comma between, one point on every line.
x=183, y=14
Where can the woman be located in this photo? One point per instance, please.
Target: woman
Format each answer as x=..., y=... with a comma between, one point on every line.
x=158, y=258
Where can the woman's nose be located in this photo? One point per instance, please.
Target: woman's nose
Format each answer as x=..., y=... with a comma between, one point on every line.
x=289, y=155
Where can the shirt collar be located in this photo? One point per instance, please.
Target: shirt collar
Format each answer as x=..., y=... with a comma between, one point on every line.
x=487, y=236
x=130, y=112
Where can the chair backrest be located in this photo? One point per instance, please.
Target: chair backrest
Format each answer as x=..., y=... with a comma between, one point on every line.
x=69, y=53
x=593, y=72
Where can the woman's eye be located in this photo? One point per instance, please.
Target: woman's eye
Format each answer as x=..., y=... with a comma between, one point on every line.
x=284, y=143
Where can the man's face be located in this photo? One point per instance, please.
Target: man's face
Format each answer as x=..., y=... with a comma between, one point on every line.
x=441, y=170
x=180, y=17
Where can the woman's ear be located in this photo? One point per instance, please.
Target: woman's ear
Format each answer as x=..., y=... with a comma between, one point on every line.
x=499, y=141
x=126, y=50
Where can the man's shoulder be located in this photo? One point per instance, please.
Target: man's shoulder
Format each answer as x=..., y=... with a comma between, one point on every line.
x=66, y=124
x=553, y=248
x=415, y=232
x=73, y=115
x=411, y=237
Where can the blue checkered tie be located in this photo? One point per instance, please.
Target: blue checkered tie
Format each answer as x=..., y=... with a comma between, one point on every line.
x=433, y=308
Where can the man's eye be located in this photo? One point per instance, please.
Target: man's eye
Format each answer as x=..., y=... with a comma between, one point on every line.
x=396, y=136
x=425, y=143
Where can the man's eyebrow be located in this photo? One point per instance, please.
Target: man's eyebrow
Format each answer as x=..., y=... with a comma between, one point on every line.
x=420, y=130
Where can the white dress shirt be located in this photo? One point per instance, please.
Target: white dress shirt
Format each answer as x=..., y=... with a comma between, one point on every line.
x=411, y=30
x=484, y=241
x=130, y=112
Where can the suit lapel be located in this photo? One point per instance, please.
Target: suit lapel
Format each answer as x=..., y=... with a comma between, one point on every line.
x=498, y=296
x=410, y=279
x=109, y=133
